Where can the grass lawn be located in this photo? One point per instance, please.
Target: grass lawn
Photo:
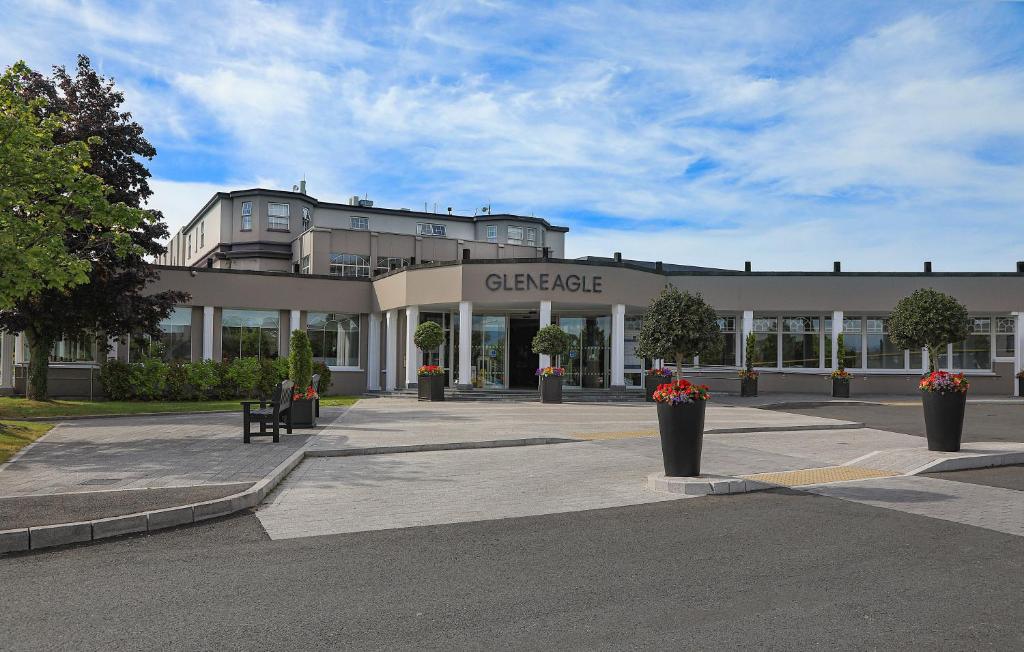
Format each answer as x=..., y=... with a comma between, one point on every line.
x=15, y=435
x=15, y=408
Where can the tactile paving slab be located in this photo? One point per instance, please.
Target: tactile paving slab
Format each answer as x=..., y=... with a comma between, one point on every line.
x=822, y=475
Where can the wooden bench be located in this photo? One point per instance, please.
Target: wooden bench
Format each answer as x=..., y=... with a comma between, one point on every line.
x=272, y=412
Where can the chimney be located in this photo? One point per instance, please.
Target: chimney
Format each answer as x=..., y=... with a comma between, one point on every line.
x=1020, y=266
x=449, y=210
x=659, y=267
x=746, y=266
x=837, y=266
x=302, y=186
x=618, y=256
x=465, y=254
x=927, y=267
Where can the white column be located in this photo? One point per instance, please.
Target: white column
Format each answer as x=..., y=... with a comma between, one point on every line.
x=7, y=341
x=293, y=322
x=619, y=345
x=412, y=354
x=1018, y=349
x=837, y=328
x=391, y=350
x=748, y=328
x=465, y=344
x=545, y=320
x=373, y=353
x=207, y=332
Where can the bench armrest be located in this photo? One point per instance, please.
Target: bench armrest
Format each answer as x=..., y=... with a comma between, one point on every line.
x=260, y=403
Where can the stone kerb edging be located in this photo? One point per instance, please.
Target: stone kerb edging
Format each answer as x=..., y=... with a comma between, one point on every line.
x=48, y=536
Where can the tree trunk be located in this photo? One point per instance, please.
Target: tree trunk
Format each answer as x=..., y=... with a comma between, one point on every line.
x=679, y=365
x=38, y=367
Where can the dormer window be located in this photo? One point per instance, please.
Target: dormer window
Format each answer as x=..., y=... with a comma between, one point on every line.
x=429, y=229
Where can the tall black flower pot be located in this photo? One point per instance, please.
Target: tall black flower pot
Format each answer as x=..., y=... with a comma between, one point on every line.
x=1020, y=387
x=840, y=388
x=651, y=383
x=303, y=412
x=748, y=386
x=430, y=388
x=682, y=437
x=550, y=389
x=944, y=419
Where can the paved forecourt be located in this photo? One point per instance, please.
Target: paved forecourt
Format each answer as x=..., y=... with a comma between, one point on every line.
x=607, y=467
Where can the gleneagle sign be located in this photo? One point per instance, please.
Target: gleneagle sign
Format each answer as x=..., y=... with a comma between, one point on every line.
x=544, y=282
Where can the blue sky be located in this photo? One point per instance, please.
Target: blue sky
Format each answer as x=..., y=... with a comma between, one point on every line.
x=703, y=133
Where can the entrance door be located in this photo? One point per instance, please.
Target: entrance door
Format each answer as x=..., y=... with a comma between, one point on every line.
x=522, y=361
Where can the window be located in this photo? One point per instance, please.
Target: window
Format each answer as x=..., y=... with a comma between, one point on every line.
x=492, y=233
x=70, y=349
x=249, y=333
x=726, y=353
x=531, y=236
x=202, y=233
x=881, y=352
x=387, y=264
x=515, y=235
x=277, y=216
x=334, y=337
x=361, y=223
x=189, y=246
x=766, y=345
x=1004, y=337
x=247, y=216
x=852, y=344
x=350, y=265
x=976, y=351
x=304, y=265
x=307, y=219
x=801, y=342
x=174, y=343
x=426, y=228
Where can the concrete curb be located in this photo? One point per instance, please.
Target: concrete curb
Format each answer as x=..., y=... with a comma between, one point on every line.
x=703, y=485
x=84, y=417
x=851, y=425
x=971, y=461
x=446, y=446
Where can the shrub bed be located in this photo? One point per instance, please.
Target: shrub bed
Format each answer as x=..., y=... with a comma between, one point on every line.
x=152, y=379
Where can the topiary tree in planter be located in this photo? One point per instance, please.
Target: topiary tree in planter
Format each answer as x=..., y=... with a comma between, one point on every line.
x=551, y=341
x=429, y=336
x=678, y=326
x=300, y=372
x=840, y=376
x=929, y=318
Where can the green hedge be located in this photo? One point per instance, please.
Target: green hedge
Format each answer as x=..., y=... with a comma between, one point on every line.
x=152, y=379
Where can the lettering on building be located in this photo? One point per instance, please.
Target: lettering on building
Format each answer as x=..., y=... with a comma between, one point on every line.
x=543, y=282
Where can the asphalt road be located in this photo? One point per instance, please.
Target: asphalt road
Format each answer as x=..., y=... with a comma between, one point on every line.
x=771, y=570
x=982, y=422
x=1007, y=477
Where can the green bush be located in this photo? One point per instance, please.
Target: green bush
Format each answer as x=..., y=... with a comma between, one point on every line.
x=928, y=318
x=149, y=379
x=300, y=360
x=244, y=377
x=428, y=336
x=750, y=349
x=203, y=378
x=551, y=340
x=325, y=378
x=272, y=372
x=178, y=387
x=116, y=380
x=678, y=326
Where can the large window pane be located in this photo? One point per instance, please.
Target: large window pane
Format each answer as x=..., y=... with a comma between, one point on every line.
x=882, y=353
x=174, y=343
x=801, y=338
x=726, y=353
x=766, y=345
x=249, y=333
x=976, y=351
x=852, y=343
x=489, y=351
x=334, y=338
x=1004, y=337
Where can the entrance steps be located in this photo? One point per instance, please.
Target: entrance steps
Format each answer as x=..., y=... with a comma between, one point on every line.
x=531, y=395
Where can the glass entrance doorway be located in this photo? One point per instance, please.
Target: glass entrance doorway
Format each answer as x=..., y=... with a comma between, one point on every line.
x=522, y=361
x=588, y=363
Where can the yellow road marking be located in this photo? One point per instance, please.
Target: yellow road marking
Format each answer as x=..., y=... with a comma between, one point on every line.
x=819, y=476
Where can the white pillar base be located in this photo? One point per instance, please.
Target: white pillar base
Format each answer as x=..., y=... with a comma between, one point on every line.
x=465, y=345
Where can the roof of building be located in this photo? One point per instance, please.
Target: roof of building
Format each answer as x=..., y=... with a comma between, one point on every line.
x=668, y=267
x=288, y=194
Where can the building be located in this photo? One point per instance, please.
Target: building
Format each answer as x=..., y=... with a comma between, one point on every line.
x=260, y=263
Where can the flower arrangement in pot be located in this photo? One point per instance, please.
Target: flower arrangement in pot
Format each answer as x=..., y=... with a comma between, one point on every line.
x=681, y=409
x=300, y=372
x=929, y=318
x=840, y=376
x=430, y=378
x=551, y=341
x=655, y=377
x=679, y=326
x=748, y=377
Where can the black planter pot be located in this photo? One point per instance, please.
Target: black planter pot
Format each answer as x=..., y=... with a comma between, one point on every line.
x=304, y=412
x=430, y=388
x=682, y=437
x=840, y=388
x=748, y=386
x=944, y=419
x=1020, y=387
x=652, y=383
x=550, y=389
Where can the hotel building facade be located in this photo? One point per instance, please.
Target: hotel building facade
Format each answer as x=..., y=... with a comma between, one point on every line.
x=260, y=263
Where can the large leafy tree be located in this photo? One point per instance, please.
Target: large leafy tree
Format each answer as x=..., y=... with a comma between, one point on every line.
x=678, y=326
x=928, y=318
x=114, y=301
x=46, y=191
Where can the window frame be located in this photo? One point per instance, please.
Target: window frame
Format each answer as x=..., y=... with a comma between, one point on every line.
x=492, y=233
x=337, y=317
x=246, y=216
x=508, y=234
x=435, y=230
x=355, y=221
x=344, y=261
x=271, y=217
